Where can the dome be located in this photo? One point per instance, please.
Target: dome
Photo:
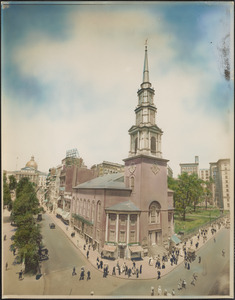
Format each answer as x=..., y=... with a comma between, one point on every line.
x=32, y=164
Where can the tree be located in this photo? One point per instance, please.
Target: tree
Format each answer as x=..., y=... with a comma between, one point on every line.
x=187, y=193
x=12, y=182
x=6, y=193
x=172, y=184
x=27, y=237
x=207, y=191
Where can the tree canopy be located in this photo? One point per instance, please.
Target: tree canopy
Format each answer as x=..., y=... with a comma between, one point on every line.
x=7, y=201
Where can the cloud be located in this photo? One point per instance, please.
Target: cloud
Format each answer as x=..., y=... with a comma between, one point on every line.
x=89, y=83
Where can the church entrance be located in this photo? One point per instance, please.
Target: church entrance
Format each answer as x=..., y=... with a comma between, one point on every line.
x=121, y=252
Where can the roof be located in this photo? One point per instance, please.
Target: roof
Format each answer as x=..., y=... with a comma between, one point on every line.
x=109, y=181
x=109, y=248
x=135, y=249
x=123, y=206
x=175, y=239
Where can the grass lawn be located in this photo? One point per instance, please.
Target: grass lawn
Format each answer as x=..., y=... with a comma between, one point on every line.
x=195, y=220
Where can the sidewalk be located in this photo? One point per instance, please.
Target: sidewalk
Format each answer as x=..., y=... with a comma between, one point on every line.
x=11, y=284
x=148, y=272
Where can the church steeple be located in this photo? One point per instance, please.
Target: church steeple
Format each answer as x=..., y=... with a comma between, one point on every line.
x=145, y=135
x=146, y=67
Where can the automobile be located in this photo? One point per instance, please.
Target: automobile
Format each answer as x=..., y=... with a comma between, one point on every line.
x=52, y=225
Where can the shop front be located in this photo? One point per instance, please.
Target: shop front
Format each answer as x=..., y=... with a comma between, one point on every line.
x=136, y=252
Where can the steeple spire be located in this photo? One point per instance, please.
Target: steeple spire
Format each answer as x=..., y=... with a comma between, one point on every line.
x=146, y=68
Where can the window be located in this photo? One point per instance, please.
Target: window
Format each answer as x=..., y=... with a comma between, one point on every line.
x=154, y=213
x=98, y=211
x=84, y=207
x=136, y=144
x=122, y=219
x=132, y=179
x=153, y=144
x=112, y=219
x=122, y=236
x=132, y=236
x=92, y=211
x=88, y=209
x=112, y=236
x=133, y=219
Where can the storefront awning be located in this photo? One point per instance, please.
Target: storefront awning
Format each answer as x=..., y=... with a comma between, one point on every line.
x=175, y=239
x=59, y=211
x=135, y=249
x=109, y=248
x=65, y=215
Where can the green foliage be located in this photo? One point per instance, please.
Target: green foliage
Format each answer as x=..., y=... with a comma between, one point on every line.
x=12, y=182
x=188, y=192
x=27, y=237
x=6, y=193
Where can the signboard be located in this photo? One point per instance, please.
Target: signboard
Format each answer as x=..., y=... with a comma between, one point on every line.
x=72, y=153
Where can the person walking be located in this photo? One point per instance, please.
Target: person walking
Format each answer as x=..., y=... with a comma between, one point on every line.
x=159, y=291
x=223, y=253
x=199, y=259
x=137, y=273
x=152, y=291
x=87, y=254
x=173, y=292
x=74, y=271
x=5, y=237
x=114, y=272
x=158, y=274
x=6, y=265
x=101, y=264
x=140, y=269
x=20, y=274
x=88, y=275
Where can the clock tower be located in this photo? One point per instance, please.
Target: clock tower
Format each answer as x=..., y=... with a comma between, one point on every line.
x=146, y=170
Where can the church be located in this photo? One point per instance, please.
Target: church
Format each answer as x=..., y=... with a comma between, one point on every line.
x=123, y=214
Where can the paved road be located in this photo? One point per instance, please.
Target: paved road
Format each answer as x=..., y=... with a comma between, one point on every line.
x=212, y=271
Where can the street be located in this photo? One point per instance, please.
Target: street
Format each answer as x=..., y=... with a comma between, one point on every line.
x=57, y=279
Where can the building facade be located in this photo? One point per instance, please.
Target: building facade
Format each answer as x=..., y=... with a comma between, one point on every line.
x=107, y=168
x=221, y=188
x=124, y=213
x=190, y=168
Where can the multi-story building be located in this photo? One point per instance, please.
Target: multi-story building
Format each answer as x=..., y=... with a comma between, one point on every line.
x=107, y=168
x=123, y=213
x=204, y=174
x=169, y=172
x=31, y=172
x=190, y=168
x=220, y=172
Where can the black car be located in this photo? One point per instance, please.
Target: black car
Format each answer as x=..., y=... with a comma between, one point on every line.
x=52, y=225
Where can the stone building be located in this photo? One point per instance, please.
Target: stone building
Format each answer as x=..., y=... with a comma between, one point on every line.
x=190, y=168
x=124, y=213
x=107, y=167
x=221, y=189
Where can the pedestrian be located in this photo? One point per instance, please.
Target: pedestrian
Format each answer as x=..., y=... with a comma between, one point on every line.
x=129, y=272
x=87, y=254
x=140, y=269
x=223, y=252
x=158, y=274
x=199, y=259
x=159, y=291
x=179, y=286
x=193, y=282
x=185, y=264
x=114, y=273
x=119, y=270
x=173, y=292
x=82, y=275
x=101, y=264
x=88, y=275
x=14, y=251
x=165, y=292
x=133, y=264
x=188, y=266
x=74, y=271
x=184, y=283
x=152, y=291
x=194, y=276
x=92, y=293
x=5, y=237
x=84, y=247
x=20, y=274
x=137, y=273
x=163, y=265
x=89, y=247
x=6, y=265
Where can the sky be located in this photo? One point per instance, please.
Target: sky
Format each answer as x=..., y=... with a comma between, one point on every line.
x=71, y=72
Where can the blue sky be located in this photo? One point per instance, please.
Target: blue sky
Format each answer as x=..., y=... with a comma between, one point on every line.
x=70, y=74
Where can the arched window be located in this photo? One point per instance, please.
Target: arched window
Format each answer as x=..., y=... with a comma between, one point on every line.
x=136, y=144
x=80, y=207
x=153, y=144
x=98, y=211
x=77, y=207
x=84, y=207
x=132, y=182
x=88, y=209
x=154, y=213
x=92, y=211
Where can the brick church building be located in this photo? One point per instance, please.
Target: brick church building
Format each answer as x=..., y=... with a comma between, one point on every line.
x=123, y=214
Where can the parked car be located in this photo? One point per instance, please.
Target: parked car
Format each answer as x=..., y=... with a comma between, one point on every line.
x=52, y=225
